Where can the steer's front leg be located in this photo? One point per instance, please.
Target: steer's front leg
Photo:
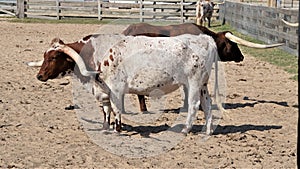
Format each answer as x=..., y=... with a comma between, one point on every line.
x=106, y=112
x=117, y=102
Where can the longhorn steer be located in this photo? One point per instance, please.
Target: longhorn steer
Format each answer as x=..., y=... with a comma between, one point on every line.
x=226, y=42
x=137, y=65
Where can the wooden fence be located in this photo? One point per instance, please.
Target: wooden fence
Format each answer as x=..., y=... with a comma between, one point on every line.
x=174, y=10
x=263, y=23
x=8, y=7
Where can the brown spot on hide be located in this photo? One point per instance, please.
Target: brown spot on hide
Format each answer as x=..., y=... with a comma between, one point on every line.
x=110, y=50
x=201, y=92
x=111, y=58
x=106, y=63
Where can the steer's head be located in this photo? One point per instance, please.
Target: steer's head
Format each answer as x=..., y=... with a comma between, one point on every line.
x=61, y=59
x=56, y=62
x=227, y=43
x=228, y=48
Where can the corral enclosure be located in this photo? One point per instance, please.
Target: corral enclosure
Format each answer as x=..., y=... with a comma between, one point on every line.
x=174, y=10
x=38, y=130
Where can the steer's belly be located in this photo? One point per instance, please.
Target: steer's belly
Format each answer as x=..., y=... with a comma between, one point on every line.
x=151, y=82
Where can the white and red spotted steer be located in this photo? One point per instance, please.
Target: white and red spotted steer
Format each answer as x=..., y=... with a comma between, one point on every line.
x=111, y=66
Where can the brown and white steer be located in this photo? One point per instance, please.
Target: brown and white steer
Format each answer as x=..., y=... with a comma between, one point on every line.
x=111, y=66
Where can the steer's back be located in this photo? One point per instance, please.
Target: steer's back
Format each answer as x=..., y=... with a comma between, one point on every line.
x=146, y=63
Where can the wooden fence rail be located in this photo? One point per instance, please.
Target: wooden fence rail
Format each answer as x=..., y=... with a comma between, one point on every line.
x=263, y=23
x=8, y=7
x=173, y=10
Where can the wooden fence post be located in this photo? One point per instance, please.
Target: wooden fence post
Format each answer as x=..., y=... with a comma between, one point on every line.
x=57, y=9
x=141, y=11
x=99, y=10
x=181, y=11
x=271, y=3
x=20, y=9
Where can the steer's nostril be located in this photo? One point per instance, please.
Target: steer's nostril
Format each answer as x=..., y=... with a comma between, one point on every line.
x=39, y=77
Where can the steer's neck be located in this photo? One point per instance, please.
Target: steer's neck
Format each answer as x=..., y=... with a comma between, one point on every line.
x=77, y=46
x=208, y=32
x=85, y=50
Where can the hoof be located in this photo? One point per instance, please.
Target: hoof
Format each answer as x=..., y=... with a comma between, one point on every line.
x=209, y=132
x=117, y=128
x=185, y=130
x=117, y=132
x=105, y=126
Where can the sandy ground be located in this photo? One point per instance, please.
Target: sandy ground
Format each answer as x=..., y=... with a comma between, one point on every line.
x=38, y=131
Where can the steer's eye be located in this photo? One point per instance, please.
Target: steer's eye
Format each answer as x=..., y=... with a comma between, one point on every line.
x=52, y=59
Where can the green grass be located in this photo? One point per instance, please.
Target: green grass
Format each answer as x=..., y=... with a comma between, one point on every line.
x=67, y=21
x=87, y=21
x=275, y=56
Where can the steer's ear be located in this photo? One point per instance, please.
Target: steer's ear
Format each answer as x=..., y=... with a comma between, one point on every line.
x=56, y=40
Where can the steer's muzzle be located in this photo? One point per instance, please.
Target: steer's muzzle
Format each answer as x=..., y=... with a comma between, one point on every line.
x=240, y=59
x=41, y=78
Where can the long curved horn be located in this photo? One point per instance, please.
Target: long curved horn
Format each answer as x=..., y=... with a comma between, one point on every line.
x=290, y=24
x=35, y=64
x=221, y=3
x=249, y=44
x=78, y=60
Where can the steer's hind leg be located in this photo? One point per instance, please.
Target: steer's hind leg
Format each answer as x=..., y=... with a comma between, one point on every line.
x=205, y=101
x=186, y=98
x=142, y=101
x=194, y=102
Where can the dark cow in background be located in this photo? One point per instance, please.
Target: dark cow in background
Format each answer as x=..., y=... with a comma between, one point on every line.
x=226, y=42
x=204, y=10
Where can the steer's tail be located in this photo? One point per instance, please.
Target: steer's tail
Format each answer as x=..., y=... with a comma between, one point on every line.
x=217, y=95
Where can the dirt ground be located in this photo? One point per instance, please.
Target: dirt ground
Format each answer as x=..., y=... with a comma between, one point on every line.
x=38, y=131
